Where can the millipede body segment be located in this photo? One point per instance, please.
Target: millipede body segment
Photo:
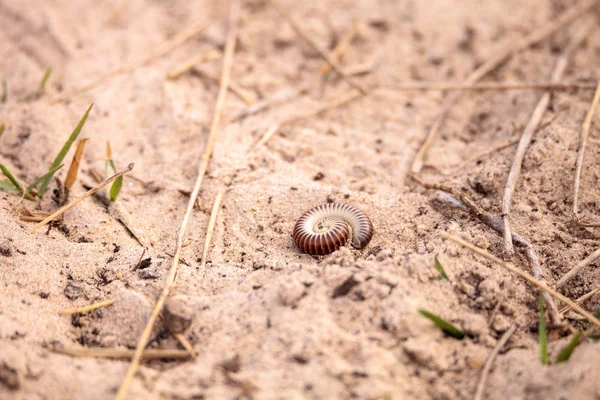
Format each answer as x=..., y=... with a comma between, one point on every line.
x=325, y=228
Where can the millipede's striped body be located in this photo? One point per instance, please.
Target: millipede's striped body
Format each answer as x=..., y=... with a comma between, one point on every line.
x=325, y=228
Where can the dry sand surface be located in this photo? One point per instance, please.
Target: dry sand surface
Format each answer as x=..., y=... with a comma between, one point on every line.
x=265, y=320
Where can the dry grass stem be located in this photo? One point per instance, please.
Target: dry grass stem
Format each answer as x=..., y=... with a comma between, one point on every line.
x=211, y=225
x=476, y=157
x=335, y=103
x=290, y=93
x=493, y=63
x=490, y=360
x=580, y=300
x=87, y=308
x=32, y=216
x=243, y=94
x=576, y=269
x=188, y=65
x=161, y=51
x=585, y=131
x=460, y=199
x=451, y=86
x=234, y=10
x=360, y=69
x=332, y=63
x=340, y=48
x=510, y=267
x=279, y=97
x=184, y=342
x=74, y=168
x=87, y=194
x=532, y=125
x=102, y=352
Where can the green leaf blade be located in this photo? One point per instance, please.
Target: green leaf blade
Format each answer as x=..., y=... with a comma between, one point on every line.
x=11, y=178
x=566, y=351
x=115, y=188
x=43, y=177
x=65, y=149
x=7, y=186
x=45, y=78
x=444, y=325
x=543, y=337
x=441, y=270
x=4, y=97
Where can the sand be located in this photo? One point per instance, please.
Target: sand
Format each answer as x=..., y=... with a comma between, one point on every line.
x=265, y=320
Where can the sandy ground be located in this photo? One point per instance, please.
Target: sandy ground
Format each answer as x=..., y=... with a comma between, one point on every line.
x=267, y=321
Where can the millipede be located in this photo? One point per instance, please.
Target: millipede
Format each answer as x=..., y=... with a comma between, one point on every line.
x=325, y=228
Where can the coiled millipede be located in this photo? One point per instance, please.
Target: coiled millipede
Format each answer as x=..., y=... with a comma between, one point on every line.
x=323, y=229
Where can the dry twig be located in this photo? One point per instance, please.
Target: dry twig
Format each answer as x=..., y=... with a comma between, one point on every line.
x=243, y=94
x=585, y=130
x=492, y=64
x=575, y=270
x=490, y=360
x=476, y=157
x=510, y=267
x=211, y=225
x=87, y=308
x=339, y=101
x=234, y=9
x=290, y=93
x=184, y=342
x=102, y=352
x=459, y=198
x=340, y=48
x=580, y=300
x=452, y=86
x=161, y=51
x=187, y=65
x=328, y=58
x=536, y=117
x=87, y=194
x=278, y=97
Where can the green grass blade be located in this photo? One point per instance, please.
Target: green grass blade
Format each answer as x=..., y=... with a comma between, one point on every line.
x=444, y=325
x=43, y=177
x=11, y=178
x=4, y=97
x=542, y=331
x=566, y=351
x=440, y=269
x=115, y=188
x=111, y=164
x=2, y=129
x=47, y=74
x=65, y=149
x=7, y=186
x=13, y=181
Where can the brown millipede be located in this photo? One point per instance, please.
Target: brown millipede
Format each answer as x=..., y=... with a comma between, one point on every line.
x=323, y=229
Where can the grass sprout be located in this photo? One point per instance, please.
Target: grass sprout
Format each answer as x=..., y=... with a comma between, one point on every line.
x=65, y=149
x=45, y=78
x=43, y=177
x=566, y=351
x=115, y=188
x=440, y=269
x=444, y=325
x=13, y=181
x=543, y=337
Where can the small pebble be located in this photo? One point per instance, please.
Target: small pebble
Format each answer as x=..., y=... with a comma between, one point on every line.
x=177, y=313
